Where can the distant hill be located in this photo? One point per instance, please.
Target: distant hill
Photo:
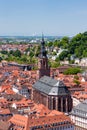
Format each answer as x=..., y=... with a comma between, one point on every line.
x=30, y=37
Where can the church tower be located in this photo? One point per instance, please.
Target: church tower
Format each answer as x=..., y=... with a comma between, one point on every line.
x=43, y=66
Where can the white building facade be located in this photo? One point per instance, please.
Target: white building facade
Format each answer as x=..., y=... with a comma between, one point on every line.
x=79, y=115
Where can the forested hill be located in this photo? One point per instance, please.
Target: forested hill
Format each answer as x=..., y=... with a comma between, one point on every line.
x=76, y=46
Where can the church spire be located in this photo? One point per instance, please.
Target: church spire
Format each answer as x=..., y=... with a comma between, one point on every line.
x=43, y=51
x=42, y=42
x=43, y=66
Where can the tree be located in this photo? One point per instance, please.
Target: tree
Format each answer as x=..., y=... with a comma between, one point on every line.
x=11, y=52
x=56, y=43
x=4, y=52
x=85, y=53
x=27, y=49
x=54, y=53
x=31, y=54
x=77, y=38
x=65, y=42
x=55, y=64
x=57, y=59
x=37, y=52
x=50, y=44
x=76, y=77
x=76, y=82
x=1, y=59
x=24, y=58
x=71, y=71
x=75, y=43
x=79, y=51
x=17, y=53
x=63, y=55
x=71, y=61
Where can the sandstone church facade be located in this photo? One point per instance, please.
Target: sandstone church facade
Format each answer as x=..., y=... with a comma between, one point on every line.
x=48, y=91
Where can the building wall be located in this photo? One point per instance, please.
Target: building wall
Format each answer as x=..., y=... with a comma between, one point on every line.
x=5, y=117
x=75, y=101
x=79, y=121
x=44, y=69
x=25, y=92
x=39, y=97
x=53, y=127
x=43, y=72
x=61, y=103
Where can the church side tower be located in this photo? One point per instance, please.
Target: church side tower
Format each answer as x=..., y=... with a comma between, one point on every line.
x=43, y=66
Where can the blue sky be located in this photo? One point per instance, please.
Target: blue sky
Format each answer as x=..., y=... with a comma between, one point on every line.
x=52, y=17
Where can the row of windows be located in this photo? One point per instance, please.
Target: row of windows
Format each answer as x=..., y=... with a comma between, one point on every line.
x=80, y=112
x=47, y=127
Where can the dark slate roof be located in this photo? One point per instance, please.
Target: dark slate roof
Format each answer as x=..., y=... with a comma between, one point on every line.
x=51, y=86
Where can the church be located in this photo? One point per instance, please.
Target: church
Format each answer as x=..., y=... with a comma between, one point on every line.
x=49, y=91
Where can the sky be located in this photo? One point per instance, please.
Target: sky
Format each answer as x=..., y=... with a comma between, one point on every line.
x=52, y=17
